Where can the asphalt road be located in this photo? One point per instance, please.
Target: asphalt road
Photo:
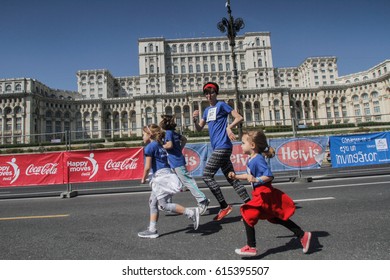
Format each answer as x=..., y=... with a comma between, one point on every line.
x=348, y=216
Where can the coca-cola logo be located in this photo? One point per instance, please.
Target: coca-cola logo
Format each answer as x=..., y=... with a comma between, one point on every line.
x=47, y=169
x=192, y=159
x=127, y=164
x=238, y=158
x=299, y=153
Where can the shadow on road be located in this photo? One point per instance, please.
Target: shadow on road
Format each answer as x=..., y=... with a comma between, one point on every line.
x=294, y=244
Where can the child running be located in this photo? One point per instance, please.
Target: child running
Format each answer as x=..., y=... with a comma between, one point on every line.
x=268, y=203
x=174, y=144
x=164, y=182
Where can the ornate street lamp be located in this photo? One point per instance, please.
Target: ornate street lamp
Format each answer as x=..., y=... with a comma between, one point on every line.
x=231, y=26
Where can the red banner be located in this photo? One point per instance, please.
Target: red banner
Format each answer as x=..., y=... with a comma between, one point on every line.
x=32, y=169
x=103, y=165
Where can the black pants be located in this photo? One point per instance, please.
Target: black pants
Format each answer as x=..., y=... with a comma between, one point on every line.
x=250, y=231
x=220, y=158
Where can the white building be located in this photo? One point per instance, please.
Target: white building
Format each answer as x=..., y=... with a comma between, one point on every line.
x=171, y=76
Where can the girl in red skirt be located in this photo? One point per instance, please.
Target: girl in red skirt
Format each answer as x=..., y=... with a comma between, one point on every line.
x=268, y=203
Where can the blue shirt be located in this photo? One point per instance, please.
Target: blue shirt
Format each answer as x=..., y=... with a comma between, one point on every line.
x=258, y=167
x=216, y=118
x=158, y=154
x=175, y=155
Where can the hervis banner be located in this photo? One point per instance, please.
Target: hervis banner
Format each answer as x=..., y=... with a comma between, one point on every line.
x=360, y=149
x=298, y=153
x=291, y=154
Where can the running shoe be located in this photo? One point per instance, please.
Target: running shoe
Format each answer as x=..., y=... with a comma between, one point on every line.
x=203, y=206
x=223, y=213
x=148, y=234
x=305, y=241
x=247, y=251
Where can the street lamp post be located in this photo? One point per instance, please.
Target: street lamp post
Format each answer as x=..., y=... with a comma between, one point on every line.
x=231, y=26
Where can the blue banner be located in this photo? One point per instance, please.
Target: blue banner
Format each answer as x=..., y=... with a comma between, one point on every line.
x=291, y=154
x=360, y=149
x=298, y=153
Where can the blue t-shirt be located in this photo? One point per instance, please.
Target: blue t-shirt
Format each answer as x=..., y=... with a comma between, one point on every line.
x=216, y=118
x=175, y=155
x=258, y=167
x=158, y=154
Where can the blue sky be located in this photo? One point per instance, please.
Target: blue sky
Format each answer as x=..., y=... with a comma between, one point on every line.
x=51, y=40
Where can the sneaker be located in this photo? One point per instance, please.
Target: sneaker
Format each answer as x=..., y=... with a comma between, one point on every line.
x=223, y=213
x=148, y=234
x=247, y=251
x=195, y=218
x=305, y=241
x=203, y=206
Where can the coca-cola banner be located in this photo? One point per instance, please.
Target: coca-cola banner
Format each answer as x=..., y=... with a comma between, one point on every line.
x=103, y=165
x=31, y=169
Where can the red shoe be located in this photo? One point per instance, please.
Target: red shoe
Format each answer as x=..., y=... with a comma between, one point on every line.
x=305, y=241
x=247, y=251
x=223, y=213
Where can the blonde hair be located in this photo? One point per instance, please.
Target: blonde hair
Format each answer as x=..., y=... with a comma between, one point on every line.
x=261, y=145
x=155, y=132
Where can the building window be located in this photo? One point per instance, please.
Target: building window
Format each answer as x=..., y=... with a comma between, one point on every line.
x=226, y=46
x=356, y=108
x=377, y=108
x=367, y=111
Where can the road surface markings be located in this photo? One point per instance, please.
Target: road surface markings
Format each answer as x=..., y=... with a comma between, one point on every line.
x=33, y=217
x=314, y=199
x=349, y=185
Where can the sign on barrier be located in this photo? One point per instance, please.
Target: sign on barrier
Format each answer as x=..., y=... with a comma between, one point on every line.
x=360, y=149
x=103, y=165
x=128, y=163
x=72, y=167
x=298, y=153
x=31, y=169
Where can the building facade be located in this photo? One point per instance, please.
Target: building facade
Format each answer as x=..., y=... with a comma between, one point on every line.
x=171, y=76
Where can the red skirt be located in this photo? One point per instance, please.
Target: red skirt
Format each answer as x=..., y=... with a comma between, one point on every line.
x=267, y=203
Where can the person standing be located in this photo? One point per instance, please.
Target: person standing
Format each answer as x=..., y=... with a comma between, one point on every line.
x=164, y=182
x=268, y=203
x=174, y=144
x=221, y=135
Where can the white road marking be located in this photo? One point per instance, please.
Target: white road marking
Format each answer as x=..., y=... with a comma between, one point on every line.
x=348, y=185
x=314, y=199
